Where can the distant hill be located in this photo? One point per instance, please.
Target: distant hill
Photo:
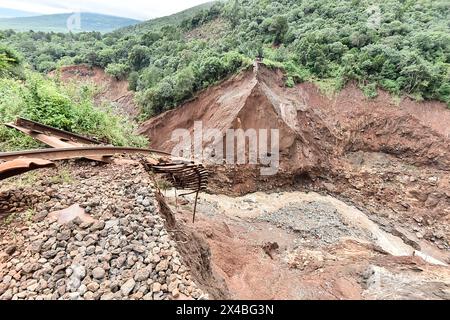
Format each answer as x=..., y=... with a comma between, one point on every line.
x=12, y=13
x=58, y=23
x=174, y=19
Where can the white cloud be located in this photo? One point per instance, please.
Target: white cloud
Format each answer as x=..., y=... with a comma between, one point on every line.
x=138, y=9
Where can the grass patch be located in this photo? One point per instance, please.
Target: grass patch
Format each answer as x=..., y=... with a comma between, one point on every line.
x=11, y=218
x=29, y=215
x=328, y=87
x=25, y=180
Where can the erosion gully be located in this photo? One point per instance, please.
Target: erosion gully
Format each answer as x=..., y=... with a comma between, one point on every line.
x=304, y=245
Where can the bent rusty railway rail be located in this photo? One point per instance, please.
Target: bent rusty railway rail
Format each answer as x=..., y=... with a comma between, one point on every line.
x=39, y=128
x=76, y=152
x=65, y=145
x=182, y=174
x=19, y=166
x=53, y=137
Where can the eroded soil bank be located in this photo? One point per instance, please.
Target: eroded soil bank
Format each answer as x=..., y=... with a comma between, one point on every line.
x=296, y=245
x=388, y=157
x=360, y=206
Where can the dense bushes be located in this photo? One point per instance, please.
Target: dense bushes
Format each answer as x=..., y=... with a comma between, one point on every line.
x=66, y=107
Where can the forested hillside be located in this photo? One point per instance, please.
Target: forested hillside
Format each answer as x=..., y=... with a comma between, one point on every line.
x=402, y=46
x=70, y=107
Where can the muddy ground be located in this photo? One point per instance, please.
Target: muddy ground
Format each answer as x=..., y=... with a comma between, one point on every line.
x=279, y=245
x=109, y=90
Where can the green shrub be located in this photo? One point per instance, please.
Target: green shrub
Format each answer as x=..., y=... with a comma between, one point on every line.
x=290, y=82
x=370, y=90
x=117, y=70
x=68, y=107
x=273, y=64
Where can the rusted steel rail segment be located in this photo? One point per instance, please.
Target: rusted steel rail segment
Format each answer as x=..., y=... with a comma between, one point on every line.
x=77, y=152
x=183, y=176
x=53, y=137
x=22, y=165
x=39, y=128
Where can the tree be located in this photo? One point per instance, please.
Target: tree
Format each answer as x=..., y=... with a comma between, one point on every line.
x=105, y=57
x=10, y=62
x=92, y=59
x=139, y=57
x=45, y=63
x=307, y=39
x=233, y=13
x=150, y=77
x=279, y=27
x=5, y=63
x=149, y=38
x=184, y=84
x=211, y=69
x=133, y=80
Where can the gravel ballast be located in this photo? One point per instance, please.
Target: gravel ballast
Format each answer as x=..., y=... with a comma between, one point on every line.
x=125, y=253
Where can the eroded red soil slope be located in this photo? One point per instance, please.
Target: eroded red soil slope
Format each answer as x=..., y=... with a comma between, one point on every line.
x=391, y=158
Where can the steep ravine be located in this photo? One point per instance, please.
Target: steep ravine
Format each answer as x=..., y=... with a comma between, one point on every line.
x=322, y=248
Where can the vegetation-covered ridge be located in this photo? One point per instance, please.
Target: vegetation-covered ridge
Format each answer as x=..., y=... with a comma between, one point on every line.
x=58, y=23
x=402, y=46
x=34, y=96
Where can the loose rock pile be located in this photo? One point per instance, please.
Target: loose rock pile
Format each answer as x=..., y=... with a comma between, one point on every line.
x=126, y=253
x=317, y=221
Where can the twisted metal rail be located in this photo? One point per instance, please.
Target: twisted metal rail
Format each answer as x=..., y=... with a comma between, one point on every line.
x=188, y=176
x=182, y=174
x=76, y=152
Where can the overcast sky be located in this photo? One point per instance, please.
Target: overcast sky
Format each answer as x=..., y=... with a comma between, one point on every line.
x=138, y=9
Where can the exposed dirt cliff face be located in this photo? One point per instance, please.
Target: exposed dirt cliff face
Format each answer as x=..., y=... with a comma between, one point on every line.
x=390, y=157
x=110, y=89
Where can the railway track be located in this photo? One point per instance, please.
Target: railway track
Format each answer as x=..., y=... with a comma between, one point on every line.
x=54, y=137
x=19, y=166
x=39, y=130
x=182, y=174
x=77, y=152
x=65, y=145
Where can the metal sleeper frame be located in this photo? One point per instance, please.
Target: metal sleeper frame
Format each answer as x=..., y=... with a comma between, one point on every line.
x=183, y=176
